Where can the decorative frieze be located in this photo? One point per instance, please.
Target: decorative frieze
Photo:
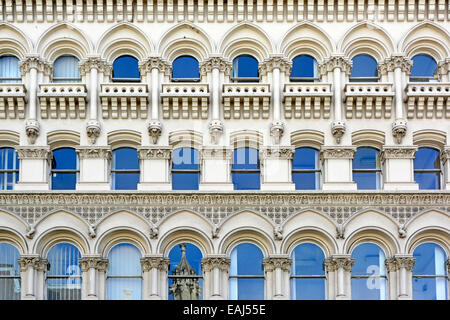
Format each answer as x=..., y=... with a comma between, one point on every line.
x=155, y=153
x=220, y=63
x=94, y=153
x=24, y=152
x=337, y=152
x=278, y=152
x=216, y=261
x=274, y=262
x=155, y=262
x=89, y=262
x=221, y=153
x=403, y=152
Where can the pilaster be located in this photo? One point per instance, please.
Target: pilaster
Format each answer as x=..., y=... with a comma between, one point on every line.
x=94, y=168
x=93, y=269
x=399, y=269
x=277, y=269
x=276, y=168
x=339, y=269
x=34, y=165
x=155, y=270
x=216, y=164
x=215, y=272
x=155, y=168
x=398, y=167
x=337, y=164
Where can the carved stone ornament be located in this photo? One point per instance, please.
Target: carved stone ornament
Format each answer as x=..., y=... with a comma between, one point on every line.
x=340, y=232
x=218, y=153
x=154, y=130
x=393, y=62
x=337, y=152
x=278, y=152
x=397, y=262
x=219, y=261
x=448, y=266
x=338, y=130
x=337, y=262
x=276, y=131
x=31, y=230
x=28, y=260
x=32, y=129
x=334, y=62
x=274, y=262
x=154, y=233
x=211, y=63
x=24, y=152
x=399, y=128
x=94, y=62
x=34, y=62
x=397, y=153
x=95, y=262
x=185, y=288
x=93, y=130
x=215, y=130
x=278, y=232
x=155, y=153
x=443, y=67
x=402, y=232
x=155, y=262
x=94, y=153
x=445, y=154
x=275, y=62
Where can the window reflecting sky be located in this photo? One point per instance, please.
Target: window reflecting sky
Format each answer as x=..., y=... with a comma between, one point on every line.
x=423, y=66
x=364, y=66
x=185, y=67
x=8, y=161
x=245, y=66
x=304, y=66
x=126, y=67
x=427, y=159
x=64, y=159
x=125, y=169
x=9, y=287
x=366, y=159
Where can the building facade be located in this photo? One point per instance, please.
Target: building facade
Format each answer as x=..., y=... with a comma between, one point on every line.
x=224, y=149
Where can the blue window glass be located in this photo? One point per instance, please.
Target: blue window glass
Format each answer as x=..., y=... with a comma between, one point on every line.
x=185, y=68
x=125, y=169
x=429, y=273
x=9, y=70
x=185, y=273
x=126, y=69
x=307, y=273
x=368, y=273
x=124, y=277
x=305, y=169
x=64, y=169
x=246, y=273
x=245, y=69
x=185, y=169
x=424, y=69
x=9, y=168
x=366, y=168
x=65, y=70
x=64, y=273
x=245, y=170
x=427, y=169
x=364, y=69
x=9, y=272
x=304, y=68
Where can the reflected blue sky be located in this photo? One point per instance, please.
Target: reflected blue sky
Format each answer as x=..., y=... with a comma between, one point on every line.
x=245, y=66
x=126, y=67
x=423, y=66
x=185, y=67
x=304, y=66
x=364, y=66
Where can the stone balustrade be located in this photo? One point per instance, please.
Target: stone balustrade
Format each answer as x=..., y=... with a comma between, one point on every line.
x=307, y=100
x=185, y=100
x=246, y=101
x=62, y=100
x=124, y=100
x=427, y=100
x=368, y=100
x=12, y=101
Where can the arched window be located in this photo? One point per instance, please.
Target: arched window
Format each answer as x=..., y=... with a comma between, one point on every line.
x=427, y=169
x=364, y=69
x=424, y=69
x=185, y=169
x=64, y=273
x=305, y=169
x=9, y=272
x=245, y=69
x=126, y=69
x=368, y=273
x=65, y=70
x=124, y=277
x=9, y=70
x=246, y=273
x=429, y=274
x=125, y=169
x=185, y=68
x=307, y=273
x=304, y=69
x=185, y=273
x=245, y=170
x=64, y=169
x=366, y=168
x=9, y=168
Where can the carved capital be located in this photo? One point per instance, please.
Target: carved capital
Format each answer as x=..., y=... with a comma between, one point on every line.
x=393, y=62
x=338, y=130
x=94, y=62
x=397, y=153
x=216, y=261
x=34, y=62
x=337, y=152
x=276, y=131
x=285, y=153
x=220, y=153
x=400, y=261
x=26, y=261
x=443, y=67
x=32, y=129
x=445, y=154
x=96, y=262
x=399, y=128
x=275, y=62
x=154, y=129
x=154, y=62
x=215, y=130
x=217, y=62
x=337, y=262
x=155, y=153
x=333, y=62
x=24, y=152
x=154, y=262
x=274, y=262
x=94, y=153
x=93, y=130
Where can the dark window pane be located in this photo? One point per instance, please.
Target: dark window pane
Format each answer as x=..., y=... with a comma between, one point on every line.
x=366, y=158
x=367, y=180
x=185, y=67
x=126, y=67
x=250, y=289
x=185, y=158
x=185, y=181
x=125, y=181
x=245, y=158
x=430, y=260
x=369, y=260
x=305, y=158
x=64, y=158
x=246, y=181
x=423, y=66
x=125, y=158
x=64, y=181
x=308, y=289
x=426, y=158
x=245, y=67
x=369, y=289
x=308, y=260
x=247, y=260
x=306, y=181
x=304, y=67
x=428, y=181
x=364, y=66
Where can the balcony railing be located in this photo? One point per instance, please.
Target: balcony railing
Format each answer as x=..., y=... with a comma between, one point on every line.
x=62, y=100
x=307, y=100
x=427, y=100
x=12, y=101
x=185, y=100
x=368, y=100
x=246, y=101
x=124, y=100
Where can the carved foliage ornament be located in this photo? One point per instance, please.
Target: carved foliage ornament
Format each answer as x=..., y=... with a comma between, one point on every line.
x=209, y=263
x=155, y=62
x=397, y=153
x=337, y=152
x=275, y=62
x=336, y=263
x=334, y=62
x=215, y=63
x=94, y=153
x=34, y=61
x=396, y=263
x=159, y=263
x=86, y=65
x=35, y=262
x=396, y=61
x=32, y=152
x=285, y=153
x=97, y=263
x=155, y=153
x=272, y=263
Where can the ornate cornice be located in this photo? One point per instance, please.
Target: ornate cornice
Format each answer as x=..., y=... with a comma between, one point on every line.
x=219, y=261
x=94, y=153
x=222, y=153
x=337, y=262
x=334, y=62
x=337, y=152
x=284, y=153
x=155, y=153
x=98, y=263
x=397, y=152
x=34, y=61
x=155, y=262
x=220, y=63
x=397, y=262
x=275, y=62
x=273, y=262
x=393, y=62
x=159, y=63
x=28, y=152
x=93, y=62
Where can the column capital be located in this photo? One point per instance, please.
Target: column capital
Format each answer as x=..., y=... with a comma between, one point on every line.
x=28, y=260
x=335, y=262
x=395, y=61
x=443, y=66
x=216, y=261
x=220, y=153
x=400, y=261
x=336, y=61
x=155, y=262
x=215, y=62
x=94, y=152
x=33, y=61
x=94, y=62
x=155, y=153
x=278, y=152
x=96, y=262
x=32, y=152
x=445, y=154
x=273, y=262
x=155, y=62
x=394, y=152
x=275, y=62
x=344, y=152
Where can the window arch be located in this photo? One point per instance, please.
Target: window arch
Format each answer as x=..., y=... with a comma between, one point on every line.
x=64, y=169
x=245, y=170
x=185, y=169
x=9, y=168
x=64, y=273
x=246, y=273
x=245, y=69
x=65, y=70
x=305, y=169
x=367, y=168
x=9, y=272
x=126, y=69
x=304, y=69
x=427, y=169
x=124, y=277
x=125, y=169
x=368, y=273
x=185, y=270
x=424, y=69
x=9, y=70
x=429, y=273
x=307, y=272
x=364, y=69
x=185, y=68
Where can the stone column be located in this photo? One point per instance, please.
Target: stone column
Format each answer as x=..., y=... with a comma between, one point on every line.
x=34, y=166
x=215, y=169
x=215, y=273
x=339, y=268
x=214, y=68
x=399, y=270
x=94, y=168
x=445, y=159
x=398, y=168
x=277, y=268
x=90, y=265
x=28, y=265
x=337, y=164
x=277, y=168
x=154, y=273
x=337, y=67
x=155, y=168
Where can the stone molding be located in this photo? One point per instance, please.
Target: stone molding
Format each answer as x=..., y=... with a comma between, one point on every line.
x=336, y=262
x=393, y=62
x=399, y=261
x=336, y=61
x=216, y=261
x=94, y=153
x=283, y=153
x=344, y=152
x=155, y=153
x=275, y=62
x=217, y=153
x=93, y=62
x=36, y=62
x=96, y=262
x=25, y=152
x=155, y=262
x=155, y=62
x=274, y=262
x=404, y=152
x=220, y=63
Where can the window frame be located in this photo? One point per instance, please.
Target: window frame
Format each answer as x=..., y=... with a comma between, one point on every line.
x=364, y=79
x=11, y=80
x=6, y=171
x=60, y=80
x=425, y=79
x=440, y=171
x=63, y=171
x=237, y=79
x=244, y=171
x=317, y=170
x=113, y=171
x=185, y=171
x=125, y=80
x=379, y=170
